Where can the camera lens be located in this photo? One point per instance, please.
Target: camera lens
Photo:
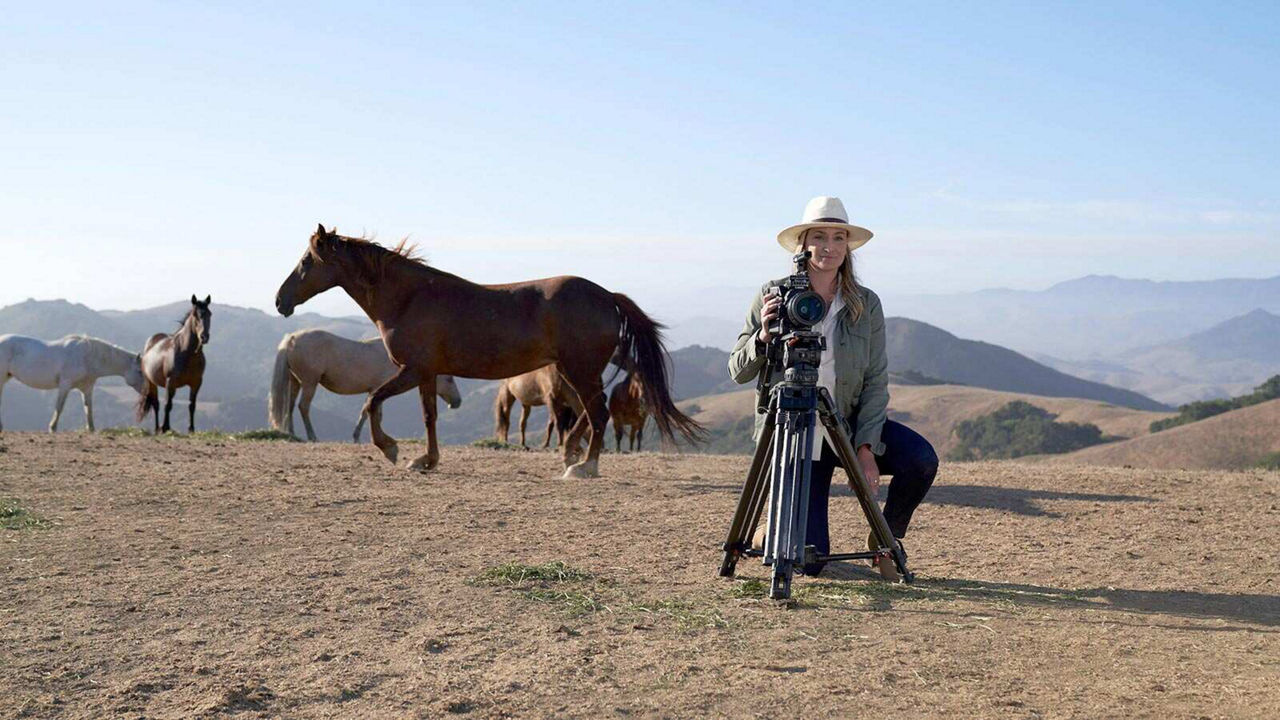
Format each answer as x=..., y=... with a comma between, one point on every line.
x=806, y=308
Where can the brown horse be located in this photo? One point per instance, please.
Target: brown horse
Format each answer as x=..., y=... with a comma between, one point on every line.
x=174, y=361
x=626, y=408
x=433, y=322
x=543, y=386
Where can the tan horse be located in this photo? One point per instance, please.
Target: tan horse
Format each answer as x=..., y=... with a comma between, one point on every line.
x=310, y=358
x=435, y=323
x=626, y=408
x=174, y=361
x=543, y=386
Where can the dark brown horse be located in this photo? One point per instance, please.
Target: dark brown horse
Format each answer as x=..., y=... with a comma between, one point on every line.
x=626, y=409
x=174, y=361
x=433, y=323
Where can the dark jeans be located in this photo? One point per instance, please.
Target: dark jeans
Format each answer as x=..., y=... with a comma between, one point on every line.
x=908, y=457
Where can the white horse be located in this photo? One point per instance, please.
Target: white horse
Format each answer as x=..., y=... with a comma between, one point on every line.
x=308, y=358
x=75, y=361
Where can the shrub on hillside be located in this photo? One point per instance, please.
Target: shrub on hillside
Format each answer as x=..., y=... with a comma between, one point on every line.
x=1270, y=461
x=1018, y=429
x=1202, y=409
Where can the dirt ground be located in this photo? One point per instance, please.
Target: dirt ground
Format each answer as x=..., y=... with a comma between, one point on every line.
x=176, y=578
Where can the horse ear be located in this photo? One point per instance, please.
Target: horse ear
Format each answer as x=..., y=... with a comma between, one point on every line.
x=320, y=230
x=208, y=299
x=193, y=299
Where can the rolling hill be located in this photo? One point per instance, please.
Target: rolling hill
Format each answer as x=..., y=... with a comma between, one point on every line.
x=1233, y=440
x=931, y=410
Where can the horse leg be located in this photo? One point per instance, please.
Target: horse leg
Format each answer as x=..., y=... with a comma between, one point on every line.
x=553, y=411
x=524, y=420
x=193, y=391
x=86, y=394
x=638, y=436
x=294, y=388
x=617, y=433
x=427, y=393
x=63, y=390
x=3, y=379
x=169, y=391
x=355, y=436
x=405, y=378
x=595, y=416
x=304, y=409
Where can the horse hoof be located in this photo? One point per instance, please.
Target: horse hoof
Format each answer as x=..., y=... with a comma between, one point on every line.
x=391, y=452
x=582, y=470
x=423, y=463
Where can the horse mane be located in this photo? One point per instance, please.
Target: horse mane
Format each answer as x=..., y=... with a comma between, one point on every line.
x=370, y=261
x=102, y=350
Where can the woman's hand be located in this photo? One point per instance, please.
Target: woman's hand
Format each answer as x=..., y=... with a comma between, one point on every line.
x=768, y=313
x=869, y=468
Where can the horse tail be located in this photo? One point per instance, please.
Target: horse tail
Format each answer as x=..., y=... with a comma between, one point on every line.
x=502, y=404
x=147, y=400
x=640, y=344
x=278, y=400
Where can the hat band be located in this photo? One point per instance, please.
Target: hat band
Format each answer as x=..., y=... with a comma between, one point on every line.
x=832, y=220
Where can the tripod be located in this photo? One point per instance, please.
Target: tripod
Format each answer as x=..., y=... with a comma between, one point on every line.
x=786, y=444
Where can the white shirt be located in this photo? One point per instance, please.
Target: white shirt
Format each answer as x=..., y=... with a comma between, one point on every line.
x=827, y=368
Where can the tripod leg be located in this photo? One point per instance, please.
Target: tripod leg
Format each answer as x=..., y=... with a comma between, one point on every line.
x=791, y=510
x=838, y=434
x=750, y=501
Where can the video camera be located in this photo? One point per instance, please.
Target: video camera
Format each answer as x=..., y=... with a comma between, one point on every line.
x=796, y=346
x=802, y=307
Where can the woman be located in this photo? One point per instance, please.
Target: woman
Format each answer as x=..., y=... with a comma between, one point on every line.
x=854, y=370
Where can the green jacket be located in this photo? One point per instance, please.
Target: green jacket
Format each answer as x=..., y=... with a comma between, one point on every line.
x=861, y=365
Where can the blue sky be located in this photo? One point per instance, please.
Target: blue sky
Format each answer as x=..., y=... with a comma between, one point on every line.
x=154, y=150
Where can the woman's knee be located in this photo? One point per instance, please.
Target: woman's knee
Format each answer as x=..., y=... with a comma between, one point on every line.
x=926, y=461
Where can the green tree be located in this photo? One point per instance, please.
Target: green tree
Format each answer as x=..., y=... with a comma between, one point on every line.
x=1017, y=429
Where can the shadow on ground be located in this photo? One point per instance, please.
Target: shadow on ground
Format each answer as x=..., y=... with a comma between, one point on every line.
x=1017, y=500
x=1238, y=607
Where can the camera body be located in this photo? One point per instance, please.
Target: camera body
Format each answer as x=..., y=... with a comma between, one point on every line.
x=802, y=308
x=796, y=347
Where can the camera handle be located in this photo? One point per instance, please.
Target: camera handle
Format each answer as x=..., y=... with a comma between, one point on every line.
x=788, y=494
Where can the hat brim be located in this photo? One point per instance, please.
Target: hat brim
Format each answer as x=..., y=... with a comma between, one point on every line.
x=789, y=238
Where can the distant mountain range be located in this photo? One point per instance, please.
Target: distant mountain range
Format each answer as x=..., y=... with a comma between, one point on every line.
x=244, y=342
x=1225, y=360
x=1094, y=317
x=914, y=345
x=1149, y=337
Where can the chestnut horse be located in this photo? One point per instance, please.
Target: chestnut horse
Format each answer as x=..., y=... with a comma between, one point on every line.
x=543, y=386
x=174, y=361
x=436, y=323
x=626, y=408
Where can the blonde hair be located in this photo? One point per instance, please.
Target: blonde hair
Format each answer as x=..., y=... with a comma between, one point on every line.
x=846, y=282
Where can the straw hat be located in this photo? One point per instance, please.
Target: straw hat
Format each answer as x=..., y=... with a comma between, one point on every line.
x=826, y=212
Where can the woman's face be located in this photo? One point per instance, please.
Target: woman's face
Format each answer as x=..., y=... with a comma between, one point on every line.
x=830, y=246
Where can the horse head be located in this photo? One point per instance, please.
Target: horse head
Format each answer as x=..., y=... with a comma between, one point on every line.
x=448, y=391
x=133, y=374
x=202, y=317
x=314, y=273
